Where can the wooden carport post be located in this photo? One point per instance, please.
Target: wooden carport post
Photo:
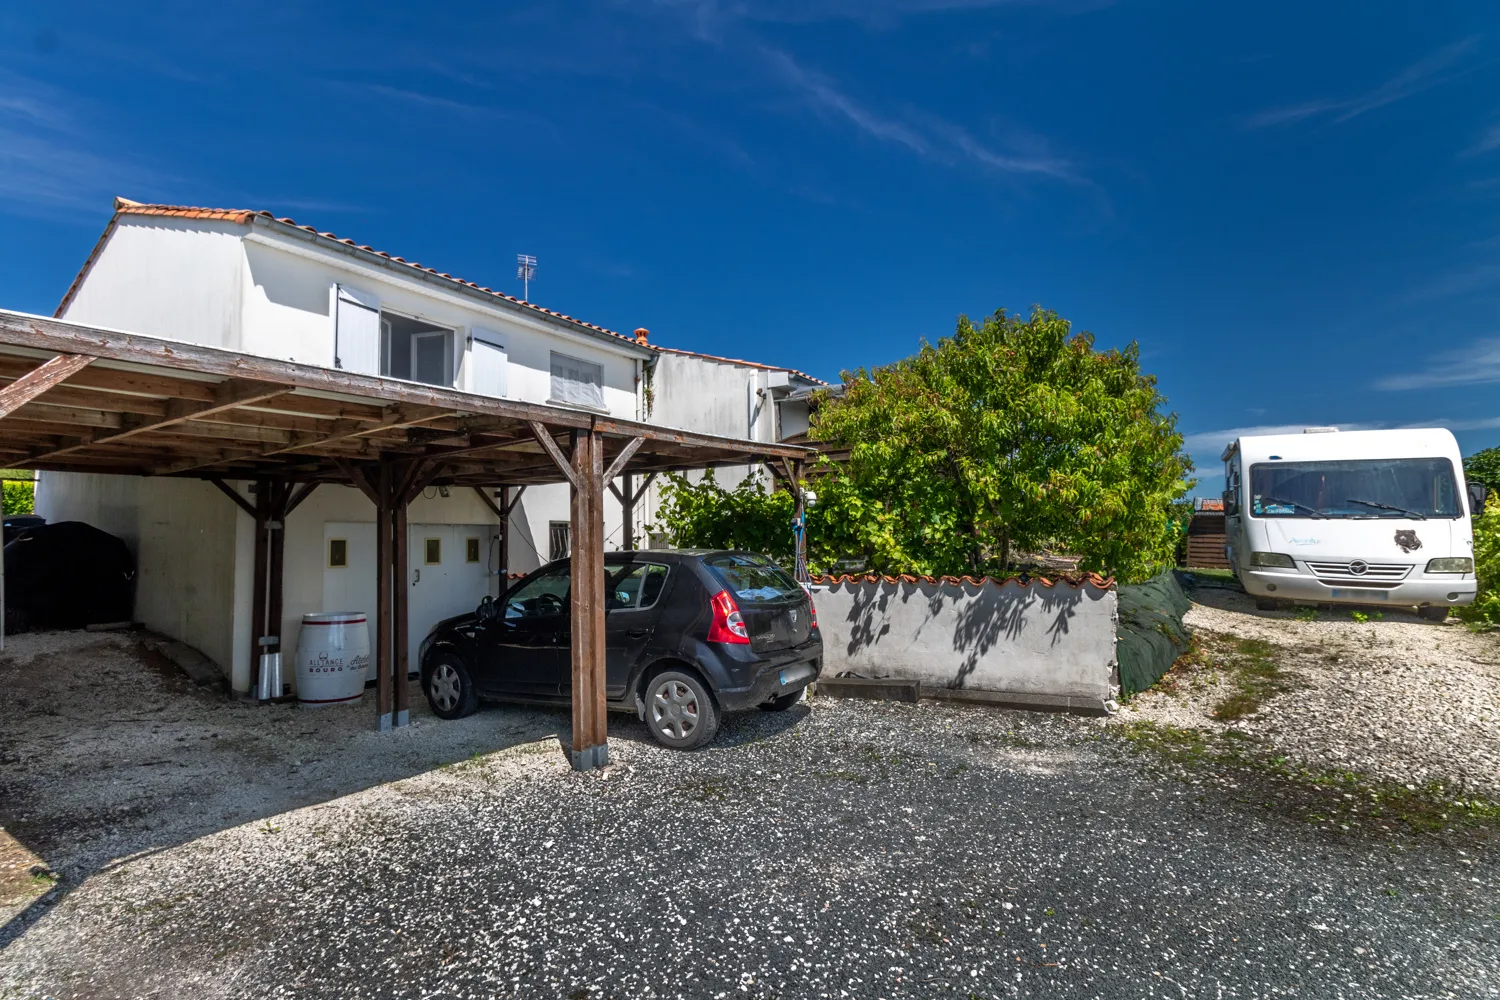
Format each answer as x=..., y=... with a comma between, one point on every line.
x=584, y=470
x=391, y=487
x=274, y=502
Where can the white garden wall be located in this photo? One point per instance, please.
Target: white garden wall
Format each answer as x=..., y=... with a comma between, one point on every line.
x=1030, y=643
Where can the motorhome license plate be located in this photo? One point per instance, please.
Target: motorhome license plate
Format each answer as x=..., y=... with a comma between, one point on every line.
x=1378, y=595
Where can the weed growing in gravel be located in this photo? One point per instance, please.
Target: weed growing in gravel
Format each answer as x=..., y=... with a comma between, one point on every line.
x=1306, y=614
x=1339, y=800
x=1256, y=675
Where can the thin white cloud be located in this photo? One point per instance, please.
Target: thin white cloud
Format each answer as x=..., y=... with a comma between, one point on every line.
x=927, y=136
x=1488, y=140
x=1424, y=74
x=53, y=161
x=711, y=15
x=1469, y=279
x=1476, y=364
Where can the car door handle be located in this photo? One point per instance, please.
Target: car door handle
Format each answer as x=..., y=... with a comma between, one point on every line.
x=638, y=633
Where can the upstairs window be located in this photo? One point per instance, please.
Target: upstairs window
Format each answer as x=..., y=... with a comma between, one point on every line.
x=415, y=351
x=577, y=383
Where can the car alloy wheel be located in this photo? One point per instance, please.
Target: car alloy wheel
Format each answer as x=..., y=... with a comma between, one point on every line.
x=445, y=687
x=675, y=710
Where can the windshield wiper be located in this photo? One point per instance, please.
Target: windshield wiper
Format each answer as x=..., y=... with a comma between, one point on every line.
x=1315, y=511
x=1386, y=506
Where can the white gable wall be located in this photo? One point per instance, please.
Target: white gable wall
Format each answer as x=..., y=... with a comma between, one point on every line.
x=172, y=278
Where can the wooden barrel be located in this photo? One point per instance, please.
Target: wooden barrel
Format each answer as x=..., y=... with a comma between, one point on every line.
x=333, y=654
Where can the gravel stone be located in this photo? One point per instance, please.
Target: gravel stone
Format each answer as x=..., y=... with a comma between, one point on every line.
x=840, y=849
x=1400, y=698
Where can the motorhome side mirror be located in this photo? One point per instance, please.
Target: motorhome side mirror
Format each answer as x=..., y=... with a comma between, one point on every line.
x=1229, y=504
x=1477, y=493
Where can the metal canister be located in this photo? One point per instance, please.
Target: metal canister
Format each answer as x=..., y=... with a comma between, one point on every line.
x=270, y=677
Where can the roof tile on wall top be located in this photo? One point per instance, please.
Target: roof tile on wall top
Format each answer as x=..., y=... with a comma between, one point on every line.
x=1087, y=579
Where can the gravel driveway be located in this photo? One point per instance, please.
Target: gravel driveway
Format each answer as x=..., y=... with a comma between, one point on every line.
x=842, y=849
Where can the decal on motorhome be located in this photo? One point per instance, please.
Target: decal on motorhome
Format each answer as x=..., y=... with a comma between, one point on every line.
x=1408, y=540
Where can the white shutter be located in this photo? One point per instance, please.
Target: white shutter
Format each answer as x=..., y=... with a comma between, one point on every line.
x=356, y=339
x=487, y=361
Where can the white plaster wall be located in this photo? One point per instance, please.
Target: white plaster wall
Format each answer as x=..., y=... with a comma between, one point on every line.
x=710, y=397
x=172, y=278
x=183, y=534
x=288, y=315
x=1008, y=638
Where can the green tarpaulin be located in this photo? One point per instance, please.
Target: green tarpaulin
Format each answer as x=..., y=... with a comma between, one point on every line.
x=1151, y=634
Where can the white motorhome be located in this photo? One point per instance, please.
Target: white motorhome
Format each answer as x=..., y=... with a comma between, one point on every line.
x=1378, y=518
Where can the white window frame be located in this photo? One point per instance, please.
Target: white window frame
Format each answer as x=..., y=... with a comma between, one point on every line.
x=450, y=366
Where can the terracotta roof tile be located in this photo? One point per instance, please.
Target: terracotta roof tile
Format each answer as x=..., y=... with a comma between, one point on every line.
x=738, y=361
x=244, y=216
x=1089, y=579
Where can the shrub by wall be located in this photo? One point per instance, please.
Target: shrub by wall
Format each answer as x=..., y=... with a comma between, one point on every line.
x=1485, y=611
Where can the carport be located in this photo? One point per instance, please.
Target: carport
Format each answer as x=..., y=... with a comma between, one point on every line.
x=76, y=398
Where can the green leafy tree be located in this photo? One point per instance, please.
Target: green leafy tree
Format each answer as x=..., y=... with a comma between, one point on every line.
x=1484, y=467
x=1010, y=436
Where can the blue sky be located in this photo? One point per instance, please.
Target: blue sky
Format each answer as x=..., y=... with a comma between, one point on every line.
x=1294, y=208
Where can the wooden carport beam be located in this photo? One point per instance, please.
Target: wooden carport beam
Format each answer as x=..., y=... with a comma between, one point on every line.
x=502, y=510
x=227, y=395
x=37, y=381
x=543, y=436
x=628, y=498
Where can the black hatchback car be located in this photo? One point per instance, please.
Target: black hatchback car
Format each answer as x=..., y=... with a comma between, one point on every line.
x=688, y=635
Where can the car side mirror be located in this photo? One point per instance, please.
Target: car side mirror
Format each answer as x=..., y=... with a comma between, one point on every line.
x=1477, y=493
x=486, y=609
x=1230, y=507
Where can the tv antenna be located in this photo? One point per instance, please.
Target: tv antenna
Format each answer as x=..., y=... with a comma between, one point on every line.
x=525, y=270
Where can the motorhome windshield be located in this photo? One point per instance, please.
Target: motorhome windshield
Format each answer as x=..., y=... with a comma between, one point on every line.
x=1379, y=487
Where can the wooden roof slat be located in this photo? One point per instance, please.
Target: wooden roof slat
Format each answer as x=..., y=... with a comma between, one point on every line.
x=228, y=395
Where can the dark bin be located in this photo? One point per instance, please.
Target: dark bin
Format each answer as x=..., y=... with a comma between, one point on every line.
x=67, y=575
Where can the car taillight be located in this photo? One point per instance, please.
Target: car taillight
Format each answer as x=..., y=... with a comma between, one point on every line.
x=728, y=624
x=812, y=609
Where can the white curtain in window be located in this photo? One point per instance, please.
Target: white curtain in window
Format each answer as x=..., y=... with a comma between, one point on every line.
x=577, y=382
x=356, y=341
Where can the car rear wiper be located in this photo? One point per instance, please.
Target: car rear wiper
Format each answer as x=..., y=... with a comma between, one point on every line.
x=1386, y=506
x=1315, y=511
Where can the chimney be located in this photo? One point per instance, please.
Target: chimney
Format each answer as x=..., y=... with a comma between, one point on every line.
x=641, y=333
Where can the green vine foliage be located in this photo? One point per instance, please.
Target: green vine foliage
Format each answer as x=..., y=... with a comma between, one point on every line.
x=707, y=515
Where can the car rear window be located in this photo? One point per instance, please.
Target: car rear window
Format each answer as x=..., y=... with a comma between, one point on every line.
x=753, y=578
